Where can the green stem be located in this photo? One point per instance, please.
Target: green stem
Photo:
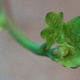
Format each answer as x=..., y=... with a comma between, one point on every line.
x=21, y=38
x=2, y=14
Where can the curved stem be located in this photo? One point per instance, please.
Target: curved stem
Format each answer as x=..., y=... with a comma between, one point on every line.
x=22, y=38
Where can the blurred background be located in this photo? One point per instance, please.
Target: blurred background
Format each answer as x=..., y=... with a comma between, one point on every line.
x=17, y=63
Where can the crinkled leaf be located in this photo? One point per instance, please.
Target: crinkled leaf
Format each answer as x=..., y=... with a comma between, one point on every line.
x=67, y=35
x=54, y=28
x=67, y=55
x=71, y=32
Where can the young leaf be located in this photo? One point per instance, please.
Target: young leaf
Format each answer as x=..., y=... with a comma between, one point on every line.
x=67, y=35
x=54, y=28
x=71, y=30
x=67, y=55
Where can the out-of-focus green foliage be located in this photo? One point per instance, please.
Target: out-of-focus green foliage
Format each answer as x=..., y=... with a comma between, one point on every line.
x=2, y=16
x=67, y=35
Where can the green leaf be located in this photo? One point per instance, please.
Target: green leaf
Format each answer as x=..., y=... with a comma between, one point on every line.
x=67, y=55
x=67, y=35
x=54, y=28
x=71, y=32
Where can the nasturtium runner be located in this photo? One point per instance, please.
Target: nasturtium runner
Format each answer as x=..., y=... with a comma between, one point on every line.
x=68, y=37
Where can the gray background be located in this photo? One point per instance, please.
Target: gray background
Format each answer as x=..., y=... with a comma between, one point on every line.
x=17, y=63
